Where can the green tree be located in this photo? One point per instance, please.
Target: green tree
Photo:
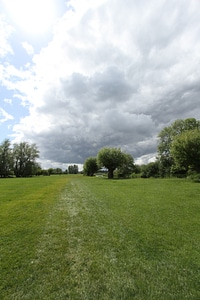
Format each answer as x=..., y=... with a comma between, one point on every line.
x=150, y=170
x=111, y=158
x=73, y=169
x=66, y=171
x=185, y=151
x=166, y=137
x=37, y=169
x=5, y=158
x=90, y=166
x=24, y=158
x=58, y=171
x=50, y=171
x=127, y=167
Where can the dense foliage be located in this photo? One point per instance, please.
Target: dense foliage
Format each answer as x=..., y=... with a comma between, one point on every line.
x=185, y=150
x=111, y=159
x=178, y=155
x=90, y=166
x=150, y=170
x=19, y=160
x=127, y=167
x=6, y=159
x=73, y=169
x=174, y=137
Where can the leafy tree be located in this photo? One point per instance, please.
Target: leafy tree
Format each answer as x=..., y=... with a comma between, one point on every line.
x=150, y=170
x=37, y=170
x=66, y=171
x=90, y=166
x=50, y=171
x=111, y=158
x=166, y=137
x=127, y=167
x=58, y=171
x=185, y=151
x=137, y=169
x=24, y=158
x=5, y=158
x=73, y=169
x=45, y=172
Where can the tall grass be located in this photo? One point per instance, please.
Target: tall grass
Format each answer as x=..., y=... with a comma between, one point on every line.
x=101, y=239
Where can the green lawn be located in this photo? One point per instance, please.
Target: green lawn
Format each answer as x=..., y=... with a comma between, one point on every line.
x=74, y=237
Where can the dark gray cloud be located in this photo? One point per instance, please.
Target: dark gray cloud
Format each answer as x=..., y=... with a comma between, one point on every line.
x=115, y=74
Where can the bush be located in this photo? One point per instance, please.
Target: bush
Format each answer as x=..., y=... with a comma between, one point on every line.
x=135, y=175
x=194, y=176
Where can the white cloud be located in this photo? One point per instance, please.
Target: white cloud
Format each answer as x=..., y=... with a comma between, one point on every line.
x=29, y=48
x=4, y=116
x=33, y=17
x=114, y=74
x=145, y=159
x=5, y=32
x=9, y=101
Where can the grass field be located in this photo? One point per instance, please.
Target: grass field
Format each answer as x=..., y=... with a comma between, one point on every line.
x=74, y=237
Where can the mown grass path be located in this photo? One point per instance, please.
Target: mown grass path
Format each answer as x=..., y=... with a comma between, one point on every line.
x=117, y=239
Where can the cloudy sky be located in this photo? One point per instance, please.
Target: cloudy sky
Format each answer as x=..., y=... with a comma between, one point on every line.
x=79, y=75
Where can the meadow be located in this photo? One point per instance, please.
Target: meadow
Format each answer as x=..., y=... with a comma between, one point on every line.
x=76, y=237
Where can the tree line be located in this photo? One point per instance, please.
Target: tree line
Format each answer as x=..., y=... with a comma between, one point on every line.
x=178, y=155
x=72, y=169
x=19, y=160
x=111, y=159
x=179, y=148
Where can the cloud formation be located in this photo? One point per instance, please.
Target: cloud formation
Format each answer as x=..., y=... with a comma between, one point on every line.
x=5, y=32
x=115, y=73
x=4, y=116
x=28, y=48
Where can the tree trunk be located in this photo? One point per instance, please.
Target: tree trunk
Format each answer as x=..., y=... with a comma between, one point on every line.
x=110, y=173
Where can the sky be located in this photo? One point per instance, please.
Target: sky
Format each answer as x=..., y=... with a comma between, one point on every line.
x=80, y=75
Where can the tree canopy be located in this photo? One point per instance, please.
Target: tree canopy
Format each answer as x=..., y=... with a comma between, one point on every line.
x=73, y=169
x=24, y=158
x=6, y=159
x=90, y=166
x=185, y=150
x=127, y=167
x=111, y=158
x=19, y=159
x=166, y=138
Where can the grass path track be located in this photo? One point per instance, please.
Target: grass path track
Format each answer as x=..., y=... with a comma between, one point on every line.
x=116, y=240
